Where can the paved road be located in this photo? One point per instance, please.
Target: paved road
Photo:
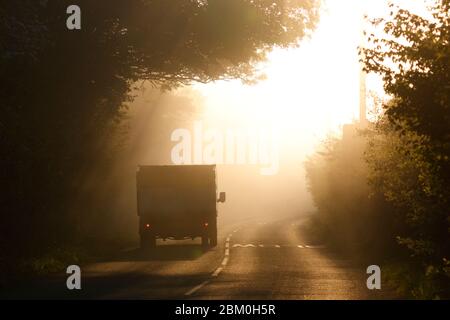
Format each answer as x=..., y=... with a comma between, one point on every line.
x=264, y=260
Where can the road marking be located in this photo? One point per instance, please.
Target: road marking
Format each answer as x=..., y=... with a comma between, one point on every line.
x=238, y=245
x=201, y=285
x=315, y=247
x=217, y=272
x=227, y=255
x=243, y=245
x=225, y=261
x=254, y=246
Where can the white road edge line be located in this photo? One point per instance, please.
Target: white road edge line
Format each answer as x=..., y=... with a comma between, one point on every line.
x=201, y=285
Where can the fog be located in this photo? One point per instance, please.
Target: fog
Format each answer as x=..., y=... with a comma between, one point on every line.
x=310, y=92
x=151, y=120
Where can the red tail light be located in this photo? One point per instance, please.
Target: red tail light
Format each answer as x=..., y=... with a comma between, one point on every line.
x=205, y=224
x=147, y=226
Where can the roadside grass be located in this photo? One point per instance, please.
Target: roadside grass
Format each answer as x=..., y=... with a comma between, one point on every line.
x=414, y=282
x=14, y=272
x=55, y=260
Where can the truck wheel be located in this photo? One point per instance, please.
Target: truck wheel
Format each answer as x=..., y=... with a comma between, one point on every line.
x=213, y=240
x=148, y=241
x=205, y=241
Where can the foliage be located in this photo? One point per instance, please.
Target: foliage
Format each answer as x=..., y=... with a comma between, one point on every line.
x=413, y=56
x=63, y=92
x=410, y=153
x=406, y=158
x=351, y=216
x=401, y=170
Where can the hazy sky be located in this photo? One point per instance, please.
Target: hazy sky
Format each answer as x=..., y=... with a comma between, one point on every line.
x=309, y=91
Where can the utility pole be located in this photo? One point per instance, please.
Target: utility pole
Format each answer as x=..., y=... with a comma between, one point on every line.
x=362, y=81
x=362, y=98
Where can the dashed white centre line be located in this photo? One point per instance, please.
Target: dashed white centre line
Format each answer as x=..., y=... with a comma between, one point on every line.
x=201, y=285
x=244, y=245
x=225, y=261
x=218, y=270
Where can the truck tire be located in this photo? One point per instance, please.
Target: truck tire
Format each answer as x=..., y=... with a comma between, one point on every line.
x=148, y=241
x=213, y=239
x=213, y=234
x=205, y=241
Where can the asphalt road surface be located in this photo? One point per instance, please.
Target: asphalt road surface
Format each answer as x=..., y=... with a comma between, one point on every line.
x=262, y=260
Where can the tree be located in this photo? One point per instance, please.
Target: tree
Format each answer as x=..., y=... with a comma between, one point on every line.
x=409, y=153
x=413, y=57
x=64, y=91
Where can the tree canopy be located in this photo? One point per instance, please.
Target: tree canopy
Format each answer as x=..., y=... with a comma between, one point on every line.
x=64, y=90
x=414, y=60
x=391, y=196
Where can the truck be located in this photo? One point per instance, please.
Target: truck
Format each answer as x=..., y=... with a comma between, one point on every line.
x=177, y=202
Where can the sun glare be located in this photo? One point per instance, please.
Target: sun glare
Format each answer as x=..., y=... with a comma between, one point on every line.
x=310, y=91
